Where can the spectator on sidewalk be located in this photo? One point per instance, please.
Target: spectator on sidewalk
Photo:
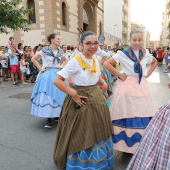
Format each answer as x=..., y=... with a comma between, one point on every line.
x=14, y=64
x=160, y=57
x=10, y=42
x=23, y=64
x=4, y=63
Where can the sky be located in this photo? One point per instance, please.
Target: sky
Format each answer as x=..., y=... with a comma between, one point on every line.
x=148, y=13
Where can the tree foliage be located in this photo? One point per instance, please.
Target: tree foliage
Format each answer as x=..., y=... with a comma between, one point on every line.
x=13, y=17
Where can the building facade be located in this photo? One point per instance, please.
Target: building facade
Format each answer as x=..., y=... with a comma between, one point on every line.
x=117, y=22
x=154, y=44
x=65, y=17
x=165, y=33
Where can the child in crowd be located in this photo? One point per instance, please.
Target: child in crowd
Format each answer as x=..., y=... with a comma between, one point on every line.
x=11, y=40
x=23, y=64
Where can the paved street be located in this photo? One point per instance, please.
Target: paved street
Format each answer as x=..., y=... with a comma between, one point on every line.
x=26, y=145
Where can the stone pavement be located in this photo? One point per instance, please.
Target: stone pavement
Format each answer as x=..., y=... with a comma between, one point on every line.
x=26, y=145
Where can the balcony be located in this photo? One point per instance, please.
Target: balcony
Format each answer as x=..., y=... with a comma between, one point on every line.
x=168, y=4
x=125, y=1
x=125, y=9
x=168, y=37
x=125, y=20
x=124, y=31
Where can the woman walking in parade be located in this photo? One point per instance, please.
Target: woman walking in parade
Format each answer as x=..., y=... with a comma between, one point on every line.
x=84, y=130
x=153, y=152
x=46, y=98
x=133, y=105
x=101, y=56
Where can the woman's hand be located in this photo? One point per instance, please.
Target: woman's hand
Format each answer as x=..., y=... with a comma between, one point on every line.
x=43, y=69
x=103, y=87
x=123, y=76
x=78, y=98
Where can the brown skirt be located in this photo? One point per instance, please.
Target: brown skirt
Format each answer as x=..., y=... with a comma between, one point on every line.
x=79, y=129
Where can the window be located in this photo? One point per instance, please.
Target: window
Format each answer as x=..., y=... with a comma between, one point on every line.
x=100, y=28
x=63, y=13
x=85, y=16
x=31, y=17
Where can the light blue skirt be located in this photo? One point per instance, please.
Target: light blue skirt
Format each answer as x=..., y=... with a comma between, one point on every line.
x=47, y=99
x=99, y=157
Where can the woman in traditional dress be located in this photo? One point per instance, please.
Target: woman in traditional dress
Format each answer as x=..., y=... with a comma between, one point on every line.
x=153, y=152
x=46, y=98
x=133, y=104
x=84, y=131
x=101, y=56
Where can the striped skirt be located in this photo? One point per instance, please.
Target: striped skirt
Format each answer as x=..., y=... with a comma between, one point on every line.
x=84, y=135
x=153, y=152
x=131, y=112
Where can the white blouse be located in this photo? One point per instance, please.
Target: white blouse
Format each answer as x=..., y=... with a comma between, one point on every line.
x=48, y=60
x=100, y=54
x=127, y=65
x=80, y=76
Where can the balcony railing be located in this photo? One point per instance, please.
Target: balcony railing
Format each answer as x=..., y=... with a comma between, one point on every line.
x=125, y=8
x=125, y=1
x=168, y=4
x=125, y=19
x=168, y=26
x=124, y=31
x=168, y=36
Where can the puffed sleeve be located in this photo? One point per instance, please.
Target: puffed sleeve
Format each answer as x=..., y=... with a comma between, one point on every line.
x=41, y=53
x=101, y=53
x=60, y=53
x=69, y=69
x=118, y=56
x=149, y=57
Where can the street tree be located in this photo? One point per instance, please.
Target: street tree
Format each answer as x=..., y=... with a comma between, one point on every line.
x=13, y=17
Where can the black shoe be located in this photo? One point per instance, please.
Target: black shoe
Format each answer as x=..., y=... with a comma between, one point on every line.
x=56, y=119
x=49, y=124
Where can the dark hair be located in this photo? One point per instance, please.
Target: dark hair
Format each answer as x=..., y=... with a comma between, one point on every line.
x=85, y=34
x=19, y=45
x=72, y=48
x=116, y=44
x=25, y=47
x=35, y=48
x=167, y=48
x=10, y=38
x=51, y=36
x=68, y=47
x=63, y=45
x=135, y=32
